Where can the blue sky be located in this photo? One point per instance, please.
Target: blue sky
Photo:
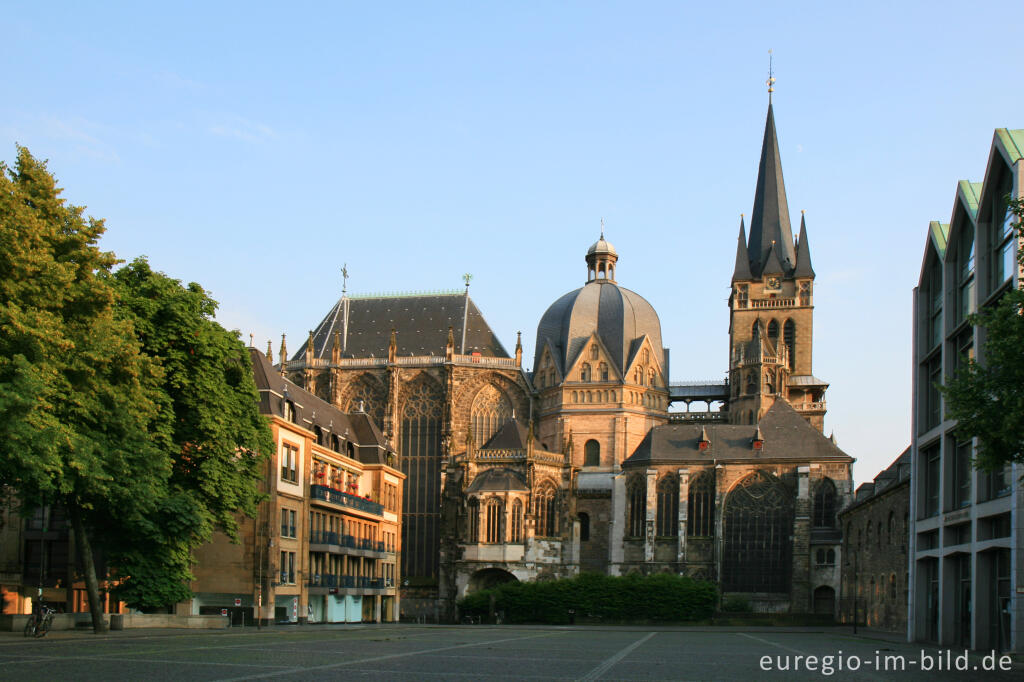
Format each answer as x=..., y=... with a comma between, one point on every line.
x=254, y=148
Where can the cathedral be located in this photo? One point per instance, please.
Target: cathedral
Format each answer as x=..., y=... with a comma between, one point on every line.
x=583, y=462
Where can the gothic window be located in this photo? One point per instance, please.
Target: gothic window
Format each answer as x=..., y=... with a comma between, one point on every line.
x=584, y=526
x=742, y=295
x=637, y=496
x=769, y=383
x=585, y=372
x=593, y=352
x=368, y=395
x=545, y=511
x=892, y=526
x=824, y=514
x=420, y=456
x=773, y=331
x=753, y=327
x=491, y=409
x=473, y=520
x=592, y=453
x=668, y=507
x=516, y=531
x=495, y=513
x=603, y=369
x=651, y=378
x=700, y=506
x=757, y=528
x=805, y=293
x=830, y=557
x=751, y=383
x=789, y=338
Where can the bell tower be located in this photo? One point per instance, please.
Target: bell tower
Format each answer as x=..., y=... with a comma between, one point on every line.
x=771, y=306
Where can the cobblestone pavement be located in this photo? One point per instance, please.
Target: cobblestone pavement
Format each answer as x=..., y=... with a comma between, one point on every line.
x=411, y=652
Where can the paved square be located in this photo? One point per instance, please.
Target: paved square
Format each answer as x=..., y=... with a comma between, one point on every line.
x=410, y=652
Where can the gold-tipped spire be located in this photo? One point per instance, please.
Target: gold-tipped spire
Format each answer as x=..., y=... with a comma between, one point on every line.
x=771, y=77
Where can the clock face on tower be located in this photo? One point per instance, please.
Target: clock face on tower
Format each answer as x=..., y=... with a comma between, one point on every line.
x=773, y=283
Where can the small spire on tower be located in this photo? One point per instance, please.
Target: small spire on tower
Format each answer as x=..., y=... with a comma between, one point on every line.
x=270, y=352
x=771, y=78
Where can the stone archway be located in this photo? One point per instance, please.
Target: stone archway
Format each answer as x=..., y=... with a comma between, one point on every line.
x=824, y=601
x=486, y=578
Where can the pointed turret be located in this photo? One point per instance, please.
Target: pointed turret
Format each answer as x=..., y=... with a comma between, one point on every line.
x=772, y=266
x=803, y=252
x=742, y=270
x=769, y=223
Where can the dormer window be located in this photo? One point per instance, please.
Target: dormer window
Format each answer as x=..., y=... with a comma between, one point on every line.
x=585, y=372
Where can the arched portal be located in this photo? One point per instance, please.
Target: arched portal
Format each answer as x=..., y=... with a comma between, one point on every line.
x=824, y=600
x=486, y=578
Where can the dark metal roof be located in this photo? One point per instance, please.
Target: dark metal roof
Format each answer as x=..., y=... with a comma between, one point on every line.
x=421, y=324
x=356, y=428
x=803, y=253
x=497, y=480
x=742, y=269
x=770, y=230
x=896, y=474
x=618, y=316
x=786, y=436
x=511, y=436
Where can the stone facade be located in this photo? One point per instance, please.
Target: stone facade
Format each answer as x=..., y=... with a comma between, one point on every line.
x=579, y=464
x=874, y=561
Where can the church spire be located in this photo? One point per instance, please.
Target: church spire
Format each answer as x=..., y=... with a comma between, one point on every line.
x=803, y=252
x=769, y=223
x=742, y=269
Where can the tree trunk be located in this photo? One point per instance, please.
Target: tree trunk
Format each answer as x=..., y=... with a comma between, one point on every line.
x=92, y=586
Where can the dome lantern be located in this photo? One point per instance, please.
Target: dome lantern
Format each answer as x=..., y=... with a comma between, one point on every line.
x=601, y=258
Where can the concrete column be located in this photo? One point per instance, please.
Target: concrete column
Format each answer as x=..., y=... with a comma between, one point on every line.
x=652, y=513
x=684, y=497
x=800, y=598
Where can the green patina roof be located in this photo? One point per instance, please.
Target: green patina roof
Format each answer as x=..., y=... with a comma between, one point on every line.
x=939, y=232
x=1012, y=141
x=969, y=193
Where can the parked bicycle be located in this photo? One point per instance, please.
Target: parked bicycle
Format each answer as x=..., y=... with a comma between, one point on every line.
x=39, y=622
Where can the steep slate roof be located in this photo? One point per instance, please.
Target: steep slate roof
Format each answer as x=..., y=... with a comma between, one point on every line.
x=787, y=436
x=769, y=222
x=510, y=436
x=357, y=428
x=421, y=323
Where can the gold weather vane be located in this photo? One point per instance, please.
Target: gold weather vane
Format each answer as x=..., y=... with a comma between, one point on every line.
x=771, y=77
x=344, y=278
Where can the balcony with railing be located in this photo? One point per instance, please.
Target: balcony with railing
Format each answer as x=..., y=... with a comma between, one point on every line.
x=347, y=584
x=343, y=499
x=338, y=543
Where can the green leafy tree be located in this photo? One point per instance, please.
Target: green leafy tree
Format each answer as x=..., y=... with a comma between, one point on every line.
x=208, y=428
x=76, y=392
x=986, y=398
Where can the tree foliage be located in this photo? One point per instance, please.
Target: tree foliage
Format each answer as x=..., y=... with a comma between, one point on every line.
x=986, y=398
x=208, y=428
x=120, y=396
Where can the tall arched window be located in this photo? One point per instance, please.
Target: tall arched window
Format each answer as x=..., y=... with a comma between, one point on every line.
x=473, y=522
x=700, y=502
x=491, y=409
x=824, y=515
x=545, y=511
x=668, y=506
x=892, y=526
x=751, y=383
x=585, y=372
x=757, y=529
x=584, y=526
x=603, y=369
x=789, y=338
x=637, y=496
x=773, y=331
x=516, y=531
x=495, y=514
x=420, y=457
x=592, y=453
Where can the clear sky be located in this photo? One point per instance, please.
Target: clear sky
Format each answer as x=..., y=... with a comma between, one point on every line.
x=255, y=147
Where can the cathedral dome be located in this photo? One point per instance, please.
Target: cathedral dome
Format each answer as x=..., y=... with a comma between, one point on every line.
x=619, y=317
